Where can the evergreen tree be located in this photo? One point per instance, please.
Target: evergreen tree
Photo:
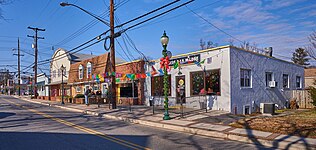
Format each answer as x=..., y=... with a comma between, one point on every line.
x=300, y=56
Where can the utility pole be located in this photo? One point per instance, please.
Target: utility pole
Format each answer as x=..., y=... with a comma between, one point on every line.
x=36, y=50
x=19, y=67
x=112, y=54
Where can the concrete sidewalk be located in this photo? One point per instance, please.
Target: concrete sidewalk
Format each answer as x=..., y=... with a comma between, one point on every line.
x=194, y=123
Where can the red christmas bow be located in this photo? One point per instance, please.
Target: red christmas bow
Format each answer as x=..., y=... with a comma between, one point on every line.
x=164, y=62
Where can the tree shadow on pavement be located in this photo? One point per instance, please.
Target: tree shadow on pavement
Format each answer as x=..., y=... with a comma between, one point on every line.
x=276, y=142
x=301, y=133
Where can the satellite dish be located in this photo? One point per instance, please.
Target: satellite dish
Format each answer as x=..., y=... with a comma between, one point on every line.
x=169, y=54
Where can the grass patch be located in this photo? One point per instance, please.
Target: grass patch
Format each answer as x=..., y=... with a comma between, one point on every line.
x=301, y=123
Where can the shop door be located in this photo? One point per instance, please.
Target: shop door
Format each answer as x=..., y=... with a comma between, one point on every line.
x=180, y=90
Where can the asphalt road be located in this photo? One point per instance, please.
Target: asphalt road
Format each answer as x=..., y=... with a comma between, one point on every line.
x=24, y=125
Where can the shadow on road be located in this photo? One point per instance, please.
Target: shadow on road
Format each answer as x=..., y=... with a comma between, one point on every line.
x=6, y=114
x=48, y=140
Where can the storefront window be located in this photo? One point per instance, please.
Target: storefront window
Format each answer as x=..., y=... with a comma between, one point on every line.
x=157, y=86
x=212, y=80
x=126, y=90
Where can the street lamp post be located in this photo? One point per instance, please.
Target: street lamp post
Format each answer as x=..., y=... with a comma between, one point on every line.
x=112, y=37
x=164, y=41
x=62, y=68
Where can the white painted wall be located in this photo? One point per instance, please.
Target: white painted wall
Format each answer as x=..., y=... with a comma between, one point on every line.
x=60, y=59
x=259, y=93
x=42, y=78
x=220, y=60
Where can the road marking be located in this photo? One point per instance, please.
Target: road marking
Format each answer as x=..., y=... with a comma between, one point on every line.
x=84, y=129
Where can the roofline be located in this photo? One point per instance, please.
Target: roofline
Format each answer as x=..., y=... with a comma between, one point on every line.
x=134, y=61
x=198, y=52
x=266, y=56
x=228, y=46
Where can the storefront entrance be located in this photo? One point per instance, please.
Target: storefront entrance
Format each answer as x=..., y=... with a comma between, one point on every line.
x=180, y=90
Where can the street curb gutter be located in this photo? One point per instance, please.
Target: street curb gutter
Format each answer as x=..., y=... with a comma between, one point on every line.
x=210, y=133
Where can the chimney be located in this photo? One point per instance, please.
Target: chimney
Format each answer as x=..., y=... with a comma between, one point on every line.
x=268, y=51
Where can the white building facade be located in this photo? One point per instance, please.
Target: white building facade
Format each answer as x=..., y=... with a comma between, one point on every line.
x=42, y=85
x=64, y=58
x=236, y=80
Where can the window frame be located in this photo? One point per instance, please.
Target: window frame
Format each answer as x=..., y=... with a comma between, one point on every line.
x=242, y=72
x=272, y=78
x=54, y=73
x=80, y=72
x=59, y=72
x=159, y=88
x=208, y=75
x=288, y=81
x=300, y=82
x=89, y=66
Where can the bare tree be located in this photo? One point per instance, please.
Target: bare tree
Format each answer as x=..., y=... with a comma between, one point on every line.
x=231, y=42
x=4, y=2
x=249, y=47
x=312, y=47
x=202, y=44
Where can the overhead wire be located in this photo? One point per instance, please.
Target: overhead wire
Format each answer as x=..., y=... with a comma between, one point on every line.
x=130, y=27
x=258, y=49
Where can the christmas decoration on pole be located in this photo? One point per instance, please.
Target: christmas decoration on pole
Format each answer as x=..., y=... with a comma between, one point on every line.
x=164, y=41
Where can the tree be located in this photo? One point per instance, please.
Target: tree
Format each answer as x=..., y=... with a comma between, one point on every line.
x=202, y=44
x=300, y=56
x=209, y=44
x=4, y=2
x=231, y=42
x=312, y=48
x=312, y=92
x=247, y=46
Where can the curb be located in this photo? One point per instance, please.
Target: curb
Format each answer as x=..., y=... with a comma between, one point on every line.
x=209, y=133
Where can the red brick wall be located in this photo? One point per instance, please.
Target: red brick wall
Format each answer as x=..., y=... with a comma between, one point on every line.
x=134, y=67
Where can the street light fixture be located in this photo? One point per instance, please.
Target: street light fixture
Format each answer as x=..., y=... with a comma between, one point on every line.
x=63, y=4
x=112, y=37
x=62, y=68
x=164, y=41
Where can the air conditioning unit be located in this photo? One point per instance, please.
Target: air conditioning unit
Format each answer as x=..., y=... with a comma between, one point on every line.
x=272, y=84
x=267, y=108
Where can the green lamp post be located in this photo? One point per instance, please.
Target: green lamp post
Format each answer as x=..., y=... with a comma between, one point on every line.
x=164, y=41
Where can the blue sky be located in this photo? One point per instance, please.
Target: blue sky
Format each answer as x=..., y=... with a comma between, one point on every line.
x=281, y=24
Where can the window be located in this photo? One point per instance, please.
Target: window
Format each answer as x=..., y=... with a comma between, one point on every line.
x=78, y=89
x=209, y=60
x=63, y=71
x=285, y=78
x=80, y=72
x=269, y=77
x=157, y=86
x=59, y=72
x=212, y=79
x=298, y=82
x=126, y=90
x=54, y=74
x=89, y=69
x=245, y=78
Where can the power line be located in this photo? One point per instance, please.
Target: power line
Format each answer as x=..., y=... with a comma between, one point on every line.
x=120, y=32
x=228, y=33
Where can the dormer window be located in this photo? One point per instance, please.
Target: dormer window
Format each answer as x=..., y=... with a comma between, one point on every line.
x=89, y=70
x=80, y=72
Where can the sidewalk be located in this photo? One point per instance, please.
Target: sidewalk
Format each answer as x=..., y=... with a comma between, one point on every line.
x=212, y=124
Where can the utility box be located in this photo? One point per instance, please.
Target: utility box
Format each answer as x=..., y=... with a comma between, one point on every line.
x=267, y=108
